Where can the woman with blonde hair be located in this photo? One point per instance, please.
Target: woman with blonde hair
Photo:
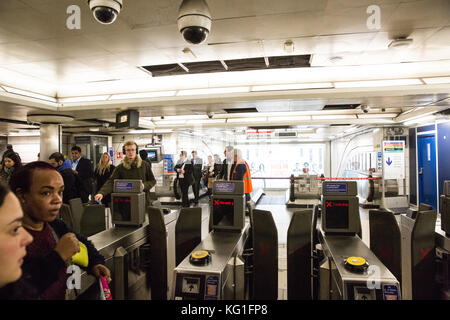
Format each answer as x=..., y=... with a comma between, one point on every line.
x=102, y=173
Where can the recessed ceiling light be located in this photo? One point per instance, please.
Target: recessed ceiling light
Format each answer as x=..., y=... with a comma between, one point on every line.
x=288, y=46
x=335, y=59
x=400, y=43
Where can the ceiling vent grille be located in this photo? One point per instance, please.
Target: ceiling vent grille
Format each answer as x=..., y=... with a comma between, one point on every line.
x=241, y=110
x=297, y=61
x=269, y=127
x=286, y=134
x=340, y=106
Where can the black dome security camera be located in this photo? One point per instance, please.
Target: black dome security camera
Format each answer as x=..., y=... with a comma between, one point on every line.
x=105, y=11
x=365, y=108
x=194, y=21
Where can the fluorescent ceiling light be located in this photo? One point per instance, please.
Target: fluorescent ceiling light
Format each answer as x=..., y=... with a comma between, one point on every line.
x=422, y=120
x=24, y=134
x=377, y=83
x=293, y=118
x=377, y=115
x=235, y=120
x=295, y=86
x=334, y=117
x=141, y=95
x=192, y=92
x=28, y=94
x=436, y=80
x=83, y=99
x=206, y=121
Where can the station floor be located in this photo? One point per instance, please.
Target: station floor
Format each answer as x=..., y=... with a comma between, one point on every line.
x=275, y=202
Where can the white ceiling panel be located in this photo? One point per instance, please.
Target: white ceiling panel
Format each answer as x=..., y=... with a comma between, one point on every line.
x=235, y=8
x=73, y=47
x=419, y=14
x=121, y=42
x=39, y=53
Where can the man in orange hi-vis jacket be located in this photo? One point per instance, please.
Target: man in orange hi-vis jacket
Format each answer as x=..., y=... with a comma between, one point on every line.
x=241, y=171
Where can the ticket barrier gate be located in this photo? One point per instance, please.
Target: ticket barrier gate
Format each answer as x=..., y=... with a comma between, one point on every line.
x=385, y=240
x=126, y=249
x=418, y=253
x=214, y=270
x=264, y=270
x=443, y=246
x=352, y=271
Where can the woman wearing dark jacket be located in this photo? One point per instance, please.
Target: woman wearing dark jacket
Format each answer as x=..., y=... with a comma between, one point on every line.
x=184, y=169
x=13, y=241
x=39, y=188
x=11, y=162
x=102, y=173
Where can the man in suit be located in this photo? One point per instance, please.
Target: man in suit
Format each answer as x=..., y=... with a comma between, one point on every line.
x=64, y=167
x=184, y=171
x=197, y=166
x=225, y=171
x=83, y=168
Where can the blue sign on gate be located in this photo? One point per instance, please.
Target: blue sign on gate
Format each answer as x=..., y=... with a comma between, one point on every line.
x=335, y=188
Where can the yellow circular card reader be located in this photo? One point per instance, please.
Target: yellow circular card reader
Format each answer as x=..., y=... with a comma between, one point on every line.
x=200, y=257
x=356, y=264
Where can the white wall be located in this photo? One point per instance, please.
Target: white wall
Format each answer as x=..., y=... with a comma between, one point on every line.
x=27, y=147
x=341, y=150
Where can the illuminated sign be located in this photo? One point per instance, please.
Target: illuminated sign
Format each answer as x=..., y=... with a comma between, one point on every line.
x=336, y=214
x=331, y=204
x=124, y=186
x=223, y=203
x=224, y=187
x=335, y=188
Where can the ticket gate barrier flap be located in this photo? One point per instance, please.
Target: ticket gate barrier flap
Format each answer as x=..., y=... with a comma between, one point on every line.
x=265, y=256
x=385, y=240
x=222, y=278
x=377, y=282
x=418, y=261
x=300, y=255
x=134, y=240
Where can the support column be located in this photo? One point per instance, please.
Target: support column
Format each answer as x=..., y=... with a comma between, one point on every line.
x=50, y=140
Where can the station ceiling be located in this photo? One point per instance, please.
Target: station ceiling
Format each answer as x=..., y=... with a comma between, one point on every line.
x=81, y=70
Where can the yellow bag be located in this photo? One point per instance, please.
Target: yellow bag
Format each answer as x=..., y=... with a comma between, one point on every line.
x=81, y=258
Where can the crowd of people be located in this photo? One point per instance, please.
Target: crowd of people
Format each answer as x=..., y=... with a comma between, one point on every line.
x=190, y=172
x=36, y=247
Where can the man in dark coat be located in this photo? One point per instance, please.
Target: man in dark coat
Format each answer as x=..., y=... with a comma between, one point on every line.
x=225, y=170
x=132, y=167
x=64, y=166
x=197, y=164
x=84, y=169
x=185, y=177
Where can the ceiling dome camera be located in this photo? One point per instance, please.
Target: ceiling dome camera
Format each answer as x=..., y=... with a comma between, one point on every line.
x=194, y=21
x=105, y=11
x=365, y=108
